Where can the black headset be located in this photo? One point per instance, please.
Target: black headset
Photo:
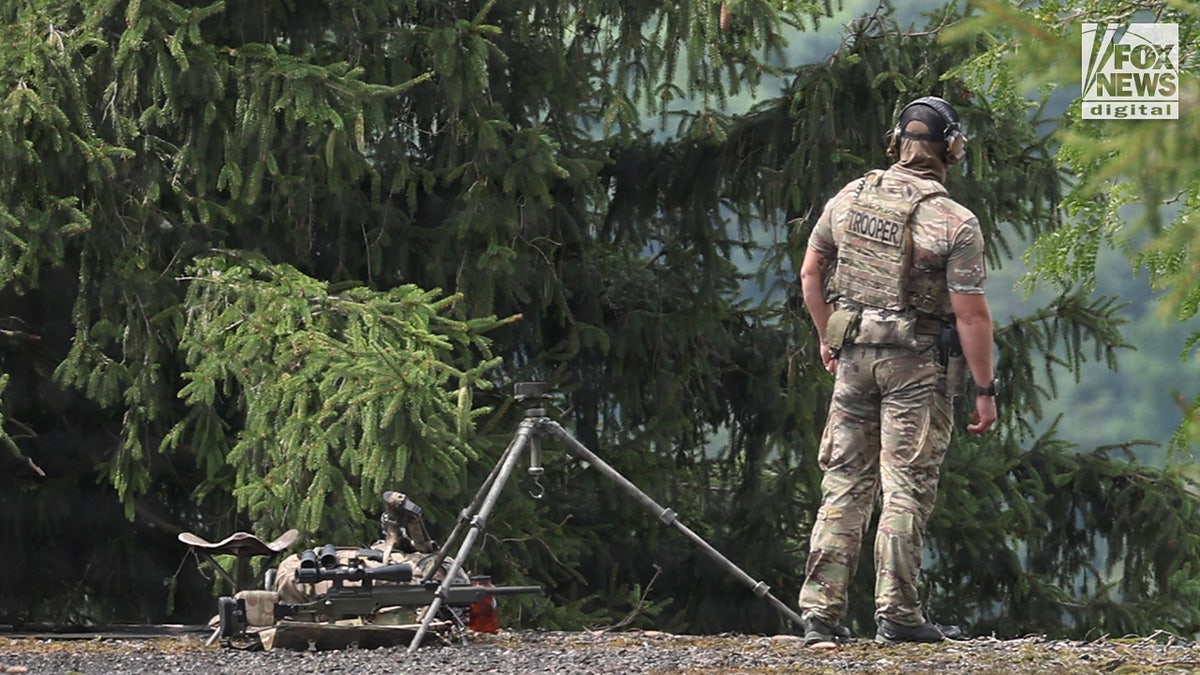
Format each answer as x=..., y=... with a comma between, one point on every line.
x=951, y=130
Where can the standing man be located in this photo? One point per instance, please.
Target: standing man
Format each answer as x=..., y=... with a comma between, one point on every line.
x=894, y=280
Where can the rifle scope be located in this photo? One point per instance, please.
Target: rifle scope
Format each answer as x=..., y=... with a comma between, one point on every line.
x=397, y=572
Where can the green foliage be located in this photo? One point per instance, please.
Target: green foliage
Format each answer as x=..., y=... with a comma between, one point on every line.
x=1063, y=335
x=343, y=394
x=225, y=220
x=379, y=144
x=1033, y=51
x=1087, y=563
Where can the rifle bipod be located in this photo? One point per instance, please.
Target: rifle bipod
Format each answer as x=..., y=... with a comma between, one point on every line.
x=529, y=436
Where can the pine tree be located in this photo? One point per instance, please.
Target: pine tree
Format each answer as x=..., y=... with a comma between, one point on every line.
x=1108, y=181
x=229, y=225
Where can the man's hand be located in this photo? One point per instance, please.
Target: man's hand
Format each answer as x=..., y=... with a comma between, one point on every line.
x=984, y=416
x=827, y=358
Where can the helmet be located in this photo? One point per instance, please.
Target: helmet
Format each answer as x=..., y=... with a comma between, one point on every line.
x=940, y=118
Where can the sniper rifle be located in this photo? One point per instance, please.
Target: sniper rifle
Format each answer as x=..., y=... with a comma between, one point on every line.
x=342, y=601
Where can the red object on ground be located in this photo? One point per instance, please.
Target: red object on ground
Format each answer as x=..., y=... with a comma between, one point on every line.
x=482, y=616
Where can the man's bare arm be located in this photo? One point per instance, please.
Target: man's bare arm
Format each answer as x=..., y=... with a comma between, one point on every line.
x=974, y=320
x=812, y=284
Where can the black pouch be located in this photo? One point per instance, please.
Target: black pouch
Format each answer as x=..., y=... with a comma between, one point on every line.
x=948, y=344
x=950, y=355
x=842, y=328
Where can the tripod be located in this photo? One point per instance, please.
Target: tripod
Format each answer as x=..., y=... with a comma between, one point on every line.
x=529, y=435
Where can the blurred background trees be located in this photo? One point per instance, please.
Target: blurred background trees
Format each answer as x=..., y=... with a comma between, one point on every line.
x=259, y=264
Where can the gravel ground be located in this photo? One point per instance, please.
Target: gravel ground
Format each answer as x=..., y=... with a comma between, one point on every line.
x=534, y=652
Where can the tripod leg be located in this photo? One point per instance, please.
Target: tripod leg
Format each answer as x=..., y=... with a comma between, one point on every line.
x=465, y=516
x=761, y=589
x=478, y=522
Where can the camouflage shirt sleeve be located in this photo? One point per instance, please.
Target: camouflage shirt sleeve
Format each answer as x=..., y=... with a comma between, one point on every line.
x=966, y=271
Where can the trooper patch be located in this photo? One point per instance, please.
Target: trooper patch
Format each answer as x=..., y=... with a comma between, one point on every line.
x=874, y=225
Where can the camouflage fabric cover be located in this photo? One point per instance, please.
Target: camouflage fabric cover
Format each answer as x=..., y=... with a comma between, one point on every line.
x=260, y=604
x=290, y=592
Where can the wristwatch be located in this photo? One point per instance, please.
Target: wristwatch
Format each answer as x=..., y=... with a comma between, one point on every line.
x=989, y=390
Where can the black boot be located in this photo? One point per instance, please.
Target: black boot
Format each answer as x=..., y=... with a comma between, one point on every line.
x=894, y=633
x=816, y=630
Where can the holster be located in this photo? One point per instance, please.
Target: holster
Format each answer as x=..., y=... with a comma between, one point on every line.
x=950, y=355
x=841, y=329
x=947, y=342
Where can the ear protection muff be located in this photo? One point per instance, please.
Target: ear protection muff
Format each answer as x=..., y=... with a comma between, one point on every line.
x=955, y=148
x=892, y=139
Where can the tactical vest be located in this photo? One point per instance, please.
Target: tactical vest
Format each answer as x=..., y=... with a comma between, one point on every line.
x=875, y=245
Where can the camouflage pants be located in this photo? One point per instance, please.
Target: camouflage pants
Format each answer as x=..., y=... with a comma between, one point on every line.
x=888, y=428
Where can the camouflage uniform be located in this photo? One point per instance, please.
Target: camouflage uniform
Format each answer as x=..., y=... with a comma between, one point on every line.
x=890, y=420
